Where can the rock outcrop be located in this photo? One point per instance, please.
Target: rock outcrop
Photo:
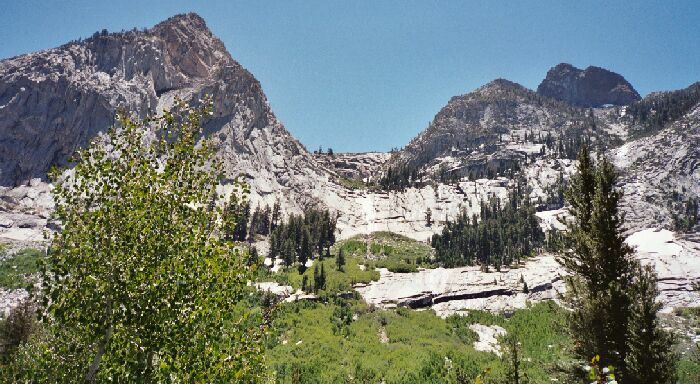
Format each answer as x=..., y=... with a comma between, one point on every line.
x=354, y=166
x=590, y=87
x=455, y=290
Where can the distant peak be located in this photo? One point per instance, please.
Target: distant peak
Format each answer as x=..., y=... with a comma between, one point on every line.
x=183, y=20
x=499, y=86
x=591, y=87
x=502, y=83
x=564, y=68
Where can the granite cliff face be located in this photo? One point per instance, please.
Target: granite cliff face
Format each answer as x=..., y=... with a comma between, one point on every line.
x=591, y=87
x=53, y=102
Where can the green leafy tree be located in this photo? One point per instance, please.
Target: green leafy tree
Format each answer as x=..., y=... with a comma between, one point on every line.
x=141, y=284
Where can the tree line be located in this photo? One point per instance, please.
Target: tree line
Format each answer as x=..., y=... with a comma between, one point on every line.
x=244, y=226
x=653, y=112
x=502, y=233
x=303, y=237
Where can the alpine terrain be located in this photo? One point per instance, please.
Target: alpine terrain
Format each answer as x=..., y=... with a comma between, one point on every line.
x=469, y=218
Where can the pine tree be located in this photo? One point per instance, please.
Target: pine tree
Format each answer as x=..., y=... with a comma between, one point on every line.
x=288, y=252
x=253, y=257
x=322, y=278
x=599, y=262
x=317, y=278
x=579, y=195
x=513, y=361
x=276, y=214
x=340, y=260
x=305, y=251
x=305, y=283
x=649, y=358
x=612, y=296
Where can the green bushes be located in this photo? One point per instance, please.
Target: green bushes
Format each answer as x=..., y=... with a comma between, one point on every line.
x=16, y=329
x=14, y=270
x=316, y=342
x=335, y=280
x=388, y=250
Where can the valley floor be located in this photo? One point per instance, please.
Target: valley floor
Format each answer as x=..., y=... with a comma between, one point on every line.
x=361, y=328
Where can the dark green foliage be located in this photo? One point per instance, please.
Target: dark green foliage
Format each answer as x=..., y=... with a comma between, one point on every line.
x=340, y=260
x=505, y=233
x=241, y=225
x=613, y=298
x=260, y=222
x=319, y=278
x=686, y=213
x=16, y=329
x=600, y=263
x=303, y=237
x=649, y=357
x=305, y=251
x=400, y=177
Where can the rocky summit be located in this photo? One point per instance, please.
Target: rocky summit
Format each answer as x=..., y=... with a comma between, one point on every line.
x=590, y=87
x=55, y=101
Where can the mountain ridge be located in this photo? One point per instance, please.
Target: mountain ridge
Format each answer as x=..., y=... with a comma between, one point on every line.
x=55, y=101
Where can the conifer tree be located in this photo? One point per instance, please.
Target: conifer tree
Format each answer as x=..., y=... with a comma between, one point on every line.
x=649, y=357
x=340, y=260
x=322, y=278
x=305, y=252
x=612, y=297
x=317, y=279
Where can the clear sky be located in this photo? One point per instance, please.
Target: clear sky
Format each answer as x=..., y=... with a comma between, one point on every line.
x=370, y=75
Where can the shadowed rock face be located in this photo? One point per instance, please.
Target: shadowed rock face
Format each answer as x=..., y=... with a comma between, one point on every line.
x=592, y=87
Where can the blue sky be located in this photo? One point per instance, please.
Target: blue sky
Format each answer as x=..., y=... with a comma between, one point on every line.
x=370, y=75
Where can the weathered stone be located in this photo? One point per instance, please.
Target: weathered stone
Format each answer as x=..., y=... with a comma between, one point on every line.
x=591, y=87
